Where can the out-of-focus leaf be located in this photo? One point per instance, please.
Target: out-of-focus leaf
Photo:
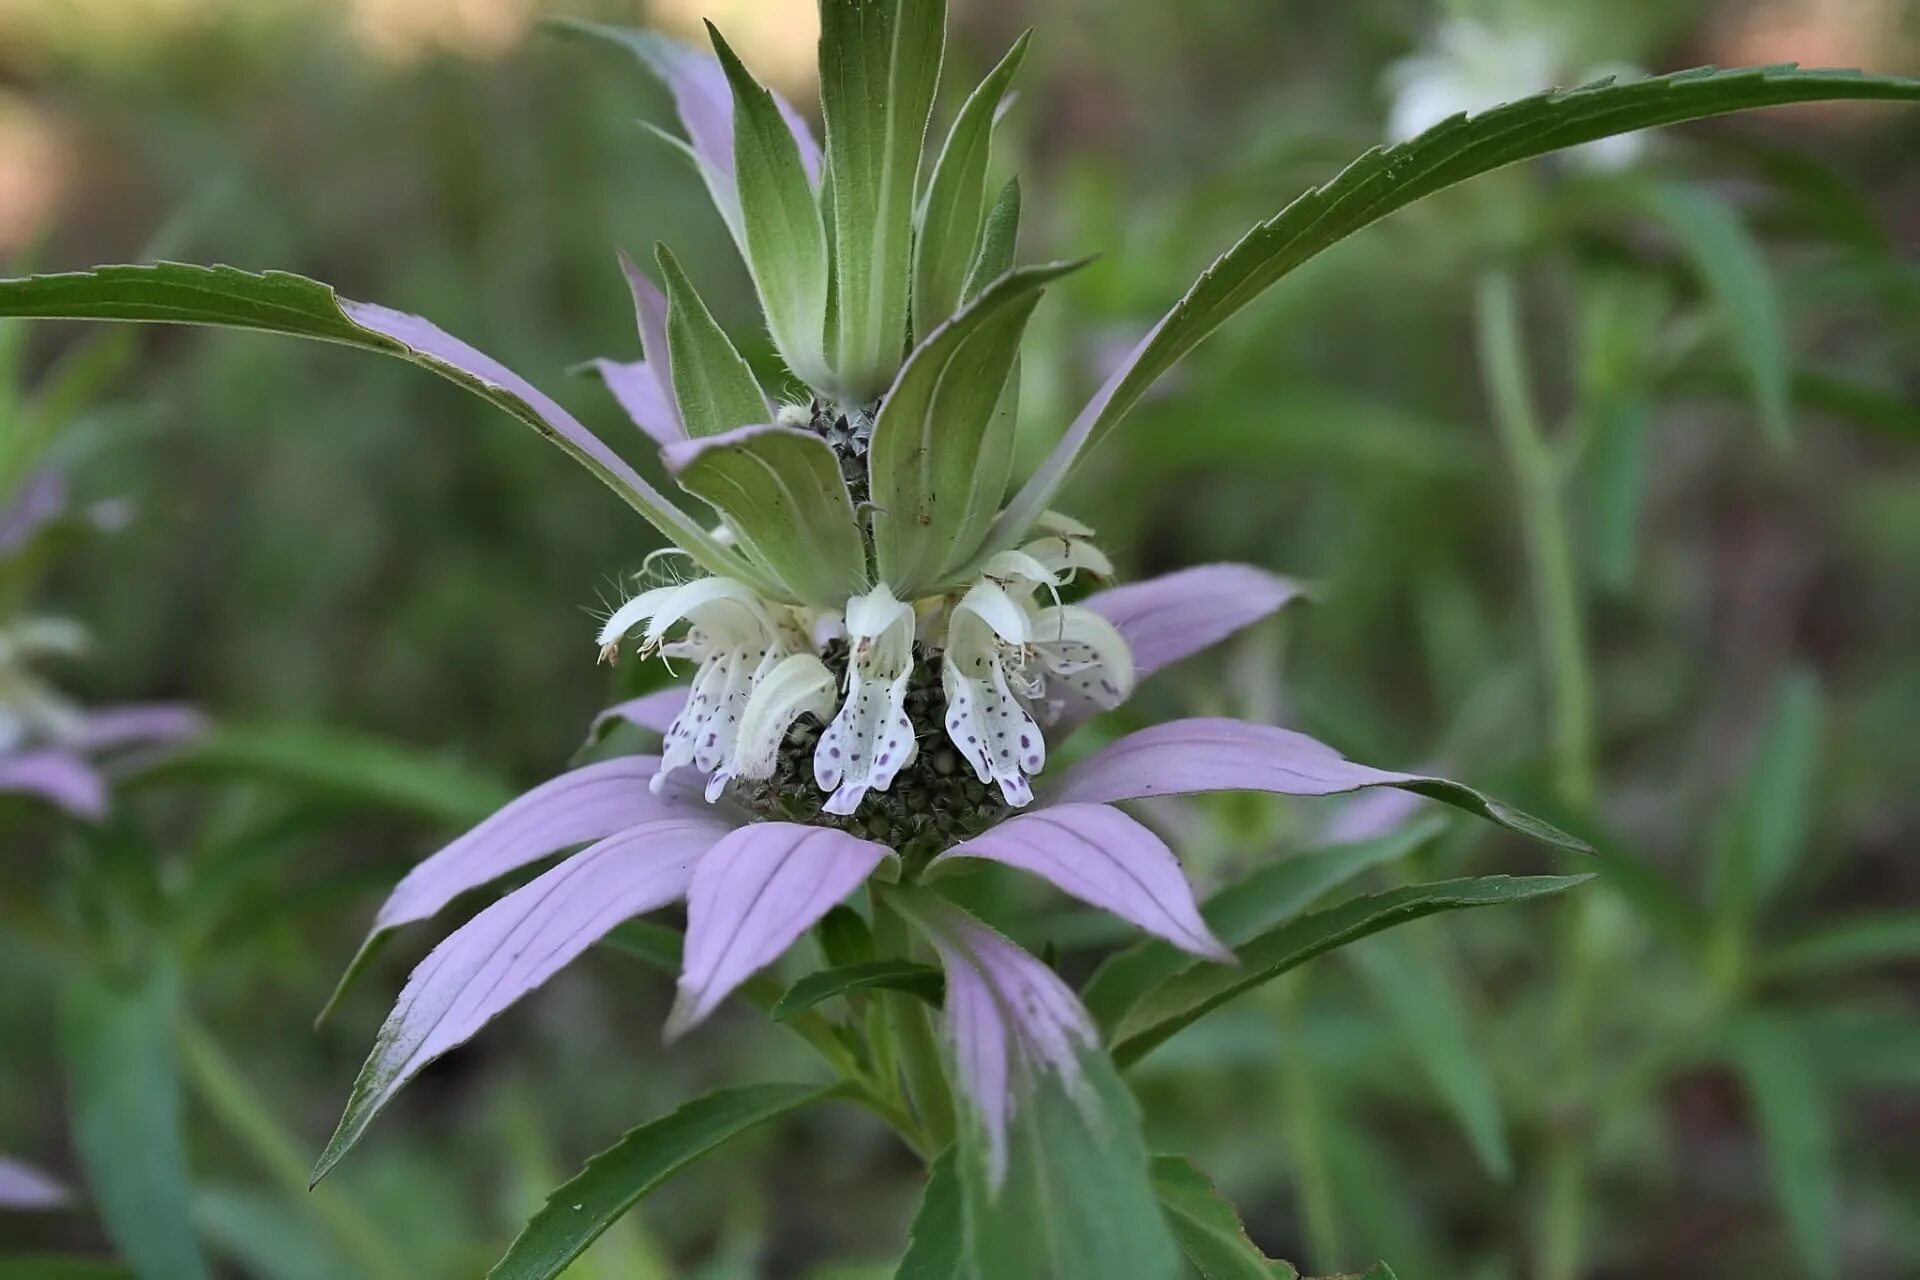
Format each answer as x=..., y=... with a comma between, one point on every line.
x=919, y=980
x=1617, y=486
x=615, y=1180
x=656, y=944
x=1270, y=896
x=1209, y=1230
x=879, y=67
x=936, y=1244
x=1860, y=1046
x=1764, y=832
x=1860, y=403
x=1794, y=1116
x=1843, y=945
x=349, y=765
x=1434, y=1029
x=712, y=382
x=1188, y=995
x=1735, y=272
x=123, y=1087
x=268, y=1237
x=51, y=1267
x=1389, y=178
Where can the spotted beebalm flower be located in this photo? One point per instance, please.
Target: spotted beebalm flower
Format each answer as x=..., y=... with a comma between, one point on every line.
x=1471, y=66
x=51, y=748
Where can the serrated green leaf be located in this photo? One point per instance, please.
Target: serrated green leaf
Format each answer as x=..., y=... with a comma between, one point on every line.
x=1178, y=1001
x=1269, y=897
x=936, y=1244
x=785, y=499
x=1795, y=1119
x=1734, y=270
x=780, y=218
x=1842, y=946
x=920, y=980
x=277, y=302
x=999, y=242
x=1208, y=1228
x=1390, y=178
x=1765, y=831
x=712, y=382
x=954, y=208
x=123, y=1083
x=927, y=456
x=616, y=1179
x=879, y=68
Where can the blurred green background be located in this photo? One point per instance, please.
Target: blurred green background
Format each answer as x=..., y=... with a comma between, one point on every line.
x=323, y=538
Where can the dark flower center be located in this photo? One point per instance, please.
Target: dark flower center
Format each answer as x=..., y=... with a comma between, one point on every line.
x=849, y=431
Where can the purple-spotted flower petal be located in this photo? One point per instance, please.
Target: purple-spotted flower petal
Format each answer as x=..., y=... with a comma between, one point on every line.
x=1106, y=859
x=515, y=945
x=1010, y=1020
x=655, y=711
x=58, y=776
x=1186, y=757
x=759, y=890
x=23, y=1187
x=587, y=804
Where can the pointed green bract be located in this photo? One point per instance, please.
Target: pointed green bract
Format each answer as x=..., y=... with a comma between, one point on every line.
x=955, y=206
x=999, y=239
x=879, y=68
x=780, y=219
x=276, y=302
x=1390, y=178
x=1201, y=988
x=927, y=457
x=1076, y=1203
x=1208, y=1228
x=712, y=382
x=584, y=1206
x=782, y=493
x=936, y=1245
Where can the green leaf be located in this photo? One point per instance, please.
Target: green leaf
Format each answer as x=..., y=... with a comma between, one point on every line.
x=1734, y=269
x=936, y=1244
x=1077, y=1202
x=1270, y=896
x=786, y=243
x=1200, y=988
x=1209, y=1230
x=276, y=302
x=1390, y=178
x=655, y=944
x=920, y=980
x=50, y=1267
x=357, y=767
x=1796, y=1126
x=927, y=458
x=999, y=242
x=123, y=1086
x=712, y=382
x=785, y=499
x=879, y=68
x=955, y=206
x=1846, y=945
x=1420, y=1000
x=1617, y=486
x=1765, y=831
x=615, y=1180
x=1861, y=404
x=1860, y=1046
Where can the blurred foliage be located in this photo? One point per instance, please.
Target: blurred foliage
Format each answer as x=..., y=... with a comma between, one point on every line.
x=1721, y=1050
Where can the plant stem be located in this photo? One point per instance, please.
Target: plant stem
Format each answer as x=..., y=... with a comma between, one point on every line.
x=912, y=1034
x=228, y=1095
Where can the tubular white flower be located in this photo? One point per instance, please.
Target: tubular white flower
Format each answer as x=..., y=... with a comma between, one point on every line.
x=797, y=685
x=1083, y=653
x=870, y=739
x=985, y=676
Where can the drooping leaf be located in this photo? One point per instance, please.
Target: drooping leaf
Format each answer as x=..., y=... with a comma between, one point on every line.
x=1734, y=270
x=785, y=499
x=1270, y=896
x=786, y=243
x=584, y=1206
x=927, y=453
x=879, y=68
x=919, y=980
x=936, y=1244
x=954, y=209
x=1421, y=1002
x=1765, y=830
x=1390, y=178
x=123, y=1084
x=1178, y=1001
x=712, y=382
x=1795, y=1120
x=1208, y=1228
x=276, y=302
